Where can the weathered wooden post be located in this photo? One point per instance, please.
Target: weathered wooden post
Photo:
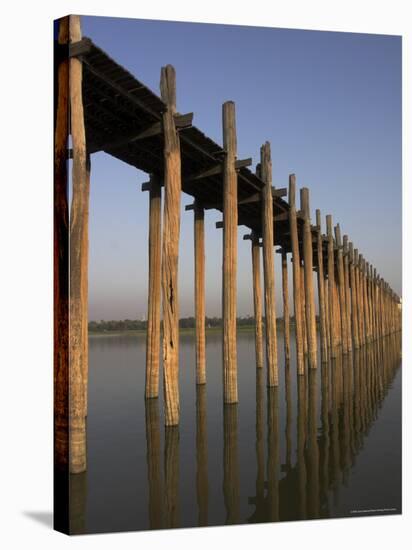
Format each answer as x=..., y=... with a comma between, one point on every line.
x=321, y=289
x=297, y=299
x=331, y=285
x=268, y=266
x=354, y=298
x=303, y=301
x=308, y=272
x=79, y=244
x=341, y=287
x=155, y=283
x=229, y=254
x=257, y=296
x=361, y=323
x=200, y=315
x=365, y=299
x=347, y=292
x=170, y=257
x=286, y=314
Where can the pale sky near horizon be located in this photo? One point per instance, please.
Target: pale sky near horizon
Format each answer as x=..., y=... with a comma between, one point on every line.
x=329, y=103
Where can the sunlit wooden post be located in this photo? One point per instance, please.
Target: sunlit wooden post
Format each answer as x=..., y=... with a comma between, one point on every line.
x=375, y=303
x=321, y=289
x=303, y=311
x=354, y=298
x=365, y=298
x=361, y=324
x=170, y=253
x=286, y=314
x=79, y=245
x=257, y=296
x=347, y=292
x=331, y=285
x=154, y=290
x=230, y=218
x=199, y=240
x=308, y=271
x=341, y=288
x=268, y=266
x=296, y=275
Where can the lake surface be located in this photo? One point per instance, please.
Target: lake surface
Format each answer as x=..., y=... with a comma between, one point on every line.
x=323, y=445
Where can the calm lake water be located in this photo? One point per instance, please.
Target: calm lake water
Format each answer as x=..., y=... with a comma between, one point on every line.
x=323, y=445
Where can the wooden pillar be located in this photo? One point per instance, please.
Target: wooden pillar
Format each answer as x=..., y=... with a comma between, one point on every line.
x=202, y=482
x=199, y=240
x=297, y=299
x=268, y=266
x=170, y=250
x=79, y=218
x=61, y=265
x=331, y=285
x=229, y=254
x=341, y=288
x=354, y=299
x=154, y=295
x=308, y=270
x=171, y=477
x=257, y=299
x=327, y=315
x=303, y=312
x=286, y=314
x=153, y=457
x=230, y=463
x=347, y=292
x=321, y=289
x=365, y=300
x=361, y=324
x=375, y=304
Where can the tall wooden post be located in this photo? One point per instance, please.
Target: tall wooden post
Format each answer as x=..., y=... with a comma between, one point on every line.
x=268, y=266
x=365, y=299
x=257, y=299
x=331, y=285
x=170, y=257
x=79, y=244
x=375, y=304
x=229, y=254
x=303, y=313
x=286, y=314
x=354, y=298
x=297, y=299
x=347, y=292
x=321, y=289
x=154, y=296
x=341, y=283
x=361, y=321
x=308, y=269
x=199, y=240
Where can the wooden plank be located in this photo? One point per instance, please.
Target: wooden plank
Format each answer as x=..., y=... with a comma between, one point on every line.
x=321, y=290
x=296, y=275
x=199, y=242
x=230, y=220
x=268, y=267
x=154, y=289
x=170, y=248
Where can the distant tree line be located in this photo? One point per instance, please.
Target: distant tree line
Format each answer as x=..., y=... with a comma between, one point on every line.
x=185, y=322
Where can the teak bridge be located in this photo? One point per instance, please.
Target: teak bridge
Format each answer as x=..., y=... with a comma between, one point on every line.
x=104, y=108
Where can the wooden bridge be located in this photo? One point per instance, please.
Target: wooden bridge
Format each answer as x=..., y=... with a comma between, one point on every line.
x=105, y=108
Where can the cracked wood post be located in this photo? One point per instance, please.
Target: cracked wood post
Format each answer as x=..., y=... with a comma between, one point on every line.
x=331, y=285
x=154, y=294
x=286, y=313
x=78, y=345
x=341, y=289
x=321, y=289
x=61, y=258
x=303, y=302
x=257, y=299
x=296, y=275
x=170, y=251
x=229, y=287
x=268, y=266
x=354, y=299
x=199, y=240
x=308, y=271
x=347, y=292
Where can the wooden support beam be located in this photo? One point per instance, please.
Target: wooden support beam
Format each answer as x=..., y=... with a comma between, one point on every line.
x=216, y=170
x=308, y=271
x=354, y=298
x=347, y=292
x=199, y=240
x=230, y=220
x=321, y=290
x=79, y=222
x=297, y=299
x=257, y=298
x=331, y=285
x=154, y=289
x=286, y=313
x=268, y=266
x=170, y=248
x=341, y=290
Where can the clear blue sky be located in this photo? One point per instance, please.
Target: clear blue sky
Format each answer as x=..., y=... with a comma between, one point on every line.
x=329, y=103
